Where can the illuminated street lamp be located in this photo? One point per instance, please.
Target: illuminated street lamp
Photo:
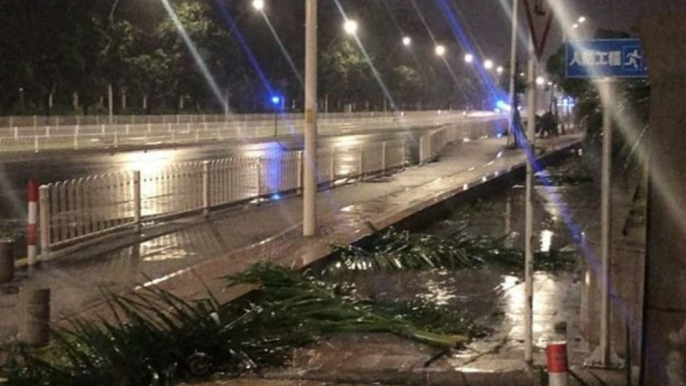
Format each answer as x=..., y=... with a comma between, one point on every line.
x=488, y=64
x=440, y=50
x=407, y=41
x=582, y=19
x=469, y=58
x=540, y=81
x=500, y=70
x=258, y=4
x=350, y=27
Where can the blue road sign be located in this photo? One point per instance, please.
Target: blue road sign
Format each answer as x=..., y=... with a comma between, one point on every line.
x=606, y=58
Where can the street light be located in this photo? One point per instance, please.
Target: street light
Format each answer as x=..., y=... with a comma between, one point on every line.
x=500, y=70
x=582, y=19
x=488, y=64
x=469, y=58
x=258, y=4
x=440, y=50
x=575, y=26
x=540, y=81
x=407, y=41
x=350, y=27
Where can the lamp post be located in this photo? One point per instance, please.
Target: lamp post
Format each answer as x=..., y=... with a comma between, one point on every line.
x=310, y=152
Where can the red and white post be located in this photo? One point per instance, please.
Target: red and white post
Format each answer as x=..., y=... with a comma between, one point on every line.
x=32, y=224
x=558, y=367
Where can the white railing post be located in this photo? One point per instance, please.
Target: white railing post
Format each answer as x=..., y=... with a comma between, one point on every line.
x=300, y=171
x=44, y=210
x=116, y=139
x=421, y=150
x=47, y=131
x=197, y=135
x=127, y=129
x=383, y=156
x=35, y=144
x=259, y=177
x=76, y=138
x=206, y=199
x=137, y=200
x=332, y=167
x=16, y=132
x=361, y=165
x=103, y=130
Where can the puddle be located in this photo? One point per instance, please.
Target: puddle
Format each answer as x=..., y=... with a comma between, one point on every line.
x=495, y=298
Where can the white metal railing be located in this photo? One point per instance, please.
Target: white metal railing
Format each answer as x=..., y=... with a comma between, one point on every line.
x=60, y=135
x=74, y=211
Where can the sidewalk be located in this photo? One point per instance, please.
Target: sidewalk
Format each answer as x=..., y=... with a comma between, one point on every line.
x=189, y=259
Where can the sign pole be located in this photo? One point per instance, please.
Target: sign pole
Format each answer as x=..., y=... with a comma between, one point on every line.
x=603, y=356
x=513, y=71
x=529, y=229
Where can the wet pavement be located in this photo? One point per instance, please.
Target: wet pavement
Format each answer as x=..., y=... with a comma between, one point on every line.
x=190, y=260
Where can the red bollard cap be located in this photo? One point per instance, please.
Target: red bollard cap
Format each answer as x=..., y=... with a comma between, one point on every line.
x=33, y=191
x=557, y=357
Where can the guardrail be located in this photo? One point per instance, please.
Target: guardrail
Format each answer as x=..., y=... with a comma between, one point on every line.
x=97, y=120
x=75, y=211
x=88, y=136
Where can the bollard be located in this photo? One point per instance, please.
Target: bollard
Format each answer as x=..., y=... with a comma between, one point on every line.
x=6, y=261
x=32, y=223
x=556, y=354
x=38, y=317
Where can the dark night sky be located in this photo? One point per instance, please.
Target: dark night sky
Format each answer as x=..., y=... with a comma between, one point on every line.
x=490, y=28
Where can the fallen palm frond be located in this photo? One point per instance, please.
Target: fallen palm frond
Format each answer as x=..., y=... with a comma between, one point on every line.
x=317, y=307
x=402, y=250
x=155, y=338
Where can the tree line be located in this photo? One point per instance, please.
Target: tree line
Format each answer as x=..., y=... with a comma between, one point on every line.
x=66, y=56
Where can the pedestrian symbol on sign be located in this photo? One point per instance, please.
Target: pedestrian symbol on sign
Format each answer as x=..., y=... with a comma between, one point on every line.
x=634, y=58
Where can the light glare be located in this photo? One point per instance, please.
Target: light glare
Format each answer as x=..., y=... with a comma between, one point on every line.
x=469, y=58
x=407, y=41
x=350, y=27
x=488, y=64
x=440, y=50
x=258, y=4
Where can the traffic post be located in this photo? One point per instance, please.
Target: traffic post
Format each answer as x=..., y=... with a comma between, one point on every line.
x=557, y=363
x=539, y=15
x=32, y=224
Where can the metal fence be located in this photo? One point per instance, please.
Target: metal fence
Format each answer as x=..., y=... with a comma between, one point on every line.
x=74, y=211
x=37, y=121
x=84, y=135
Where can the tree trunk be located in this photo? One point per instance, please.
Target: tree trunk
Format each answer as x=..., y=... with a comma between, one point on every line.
x=664, y=349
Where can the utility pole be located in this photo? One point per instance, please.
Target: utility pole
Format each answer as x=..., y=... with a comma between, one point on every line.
x=310, y=153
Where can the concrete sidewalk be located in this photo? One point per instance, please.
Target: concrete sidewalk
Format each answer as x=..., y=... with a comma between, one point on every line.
x=191, y=258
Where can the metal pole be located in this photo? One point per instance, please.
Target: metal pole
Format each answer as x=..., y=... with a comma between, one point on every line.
x=513, y=70
x=603, y=356
x=529, y=235
x=606, y=229
x=309, y=180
